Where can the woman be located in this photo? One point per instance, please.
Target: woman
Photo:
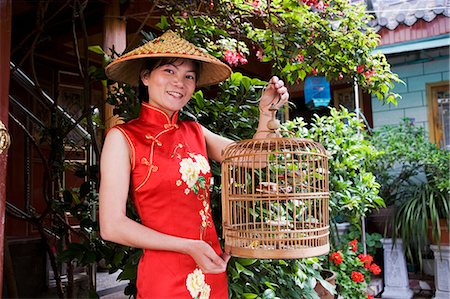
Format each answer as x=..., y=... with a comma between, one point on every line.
x=163, y=163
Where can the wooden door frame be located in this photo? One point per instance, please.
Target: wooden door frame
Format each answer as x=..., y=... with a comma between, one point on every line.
x=5, y=50
x=432, y=109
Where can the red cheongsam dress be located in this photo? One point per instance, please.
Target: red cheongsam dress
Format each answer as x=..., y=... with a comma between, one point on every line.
x=170, y=181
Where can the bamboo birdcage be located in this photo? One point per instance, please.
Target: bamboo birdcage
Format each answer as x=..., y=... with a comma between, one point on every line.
x=275, y=197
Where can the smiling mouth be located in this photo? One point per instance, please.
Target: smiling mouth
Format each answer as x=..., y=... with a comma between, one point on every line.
x=175, y=94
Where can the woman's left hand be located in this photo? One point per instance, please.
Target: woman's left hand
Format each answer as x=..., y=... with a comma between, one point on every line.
x=275, y=94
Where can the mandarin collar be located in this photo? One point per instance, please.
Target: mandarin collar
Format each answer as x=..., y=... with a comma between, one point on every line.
x=156, y=116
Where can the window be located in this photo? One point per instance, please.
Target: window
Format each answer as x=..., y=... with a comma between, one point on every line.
x=438, y=105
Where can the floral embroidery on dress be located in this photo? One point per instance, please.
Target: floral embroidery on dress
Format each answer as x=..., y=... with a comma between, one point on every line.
x=193, y=170
x=205, y=214
x=196, y=284
x=189, y=172
x=179, y=146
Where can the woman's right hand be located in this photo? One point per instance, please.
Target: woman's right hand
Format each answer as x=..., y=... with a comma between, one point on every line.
x=206, y=258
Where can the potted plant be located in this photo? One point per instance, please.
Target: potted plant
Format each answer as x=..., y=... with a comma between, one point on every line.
x=397, y=169
x=424, y=217
x=353, y=271
x=414, y=179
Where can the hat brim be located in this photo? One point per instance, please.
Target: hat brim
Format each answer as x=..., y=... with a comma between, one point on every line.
x=127, y=70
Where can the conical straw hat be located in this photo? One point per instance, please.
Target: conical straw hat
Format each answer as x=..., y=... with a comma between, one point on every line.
x=127, y=67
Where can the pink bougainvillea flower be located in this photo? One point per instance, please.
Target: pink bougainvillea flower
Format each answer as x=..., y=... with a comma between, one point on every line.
x=256, y=6
x=369, y=73
x=357, y=276
x=230, y=57
x=259, y=54
x=310, y=2
x=234, y=58
x=320, y=6
x=360, y=68
x=255, y=3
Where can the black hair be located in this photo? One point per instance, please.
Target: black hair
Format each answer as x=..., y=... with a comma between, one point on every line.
x=151, y=64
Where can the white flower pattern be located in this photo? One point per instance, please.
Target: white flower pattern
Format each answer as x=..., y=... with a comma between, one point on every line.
x=193, y=170
x=205, y=292
x=189, y=171
x=202, y=163
x=196, y=284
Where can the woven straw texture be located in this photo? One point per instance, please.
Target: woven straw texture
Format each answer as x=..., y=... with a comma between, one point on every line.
x=127, y=67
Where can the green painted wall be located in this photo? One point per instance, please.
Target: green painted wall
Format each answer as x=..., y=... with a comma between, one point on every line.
x=416, y=69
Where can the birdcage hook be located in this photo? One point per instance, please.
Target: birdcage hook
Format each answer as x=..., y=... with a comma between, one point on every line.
x=273, y=124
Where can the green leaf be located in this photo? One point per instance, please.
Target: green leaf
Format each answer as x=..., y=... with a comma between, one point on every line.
x=302, y=74
x=195, y=189
x=96, y=49
x=268, y=294
x=201, y=182
x=246, y=261
x=163, y=23
x=242, y=269
x=246, y=82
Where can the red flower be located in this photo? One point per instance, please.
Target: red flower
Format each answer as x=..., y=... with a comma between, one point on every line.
x=369, y=73
x=360, y=68
x=314, y=71
x=301, y=58
x=310, y=2
x=357, y=276
x=369, y=297
x=354, y=245
x=319, y=5
x=366, y=259
x=336, y=257
x=375, y=269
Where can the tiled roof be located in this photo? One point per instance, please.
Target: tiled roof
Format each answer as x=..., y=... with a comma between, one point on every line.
x=391, y=13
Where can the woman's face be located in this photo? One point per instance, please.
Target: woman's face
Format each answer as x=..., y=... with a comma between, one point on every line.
x=170, y=86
